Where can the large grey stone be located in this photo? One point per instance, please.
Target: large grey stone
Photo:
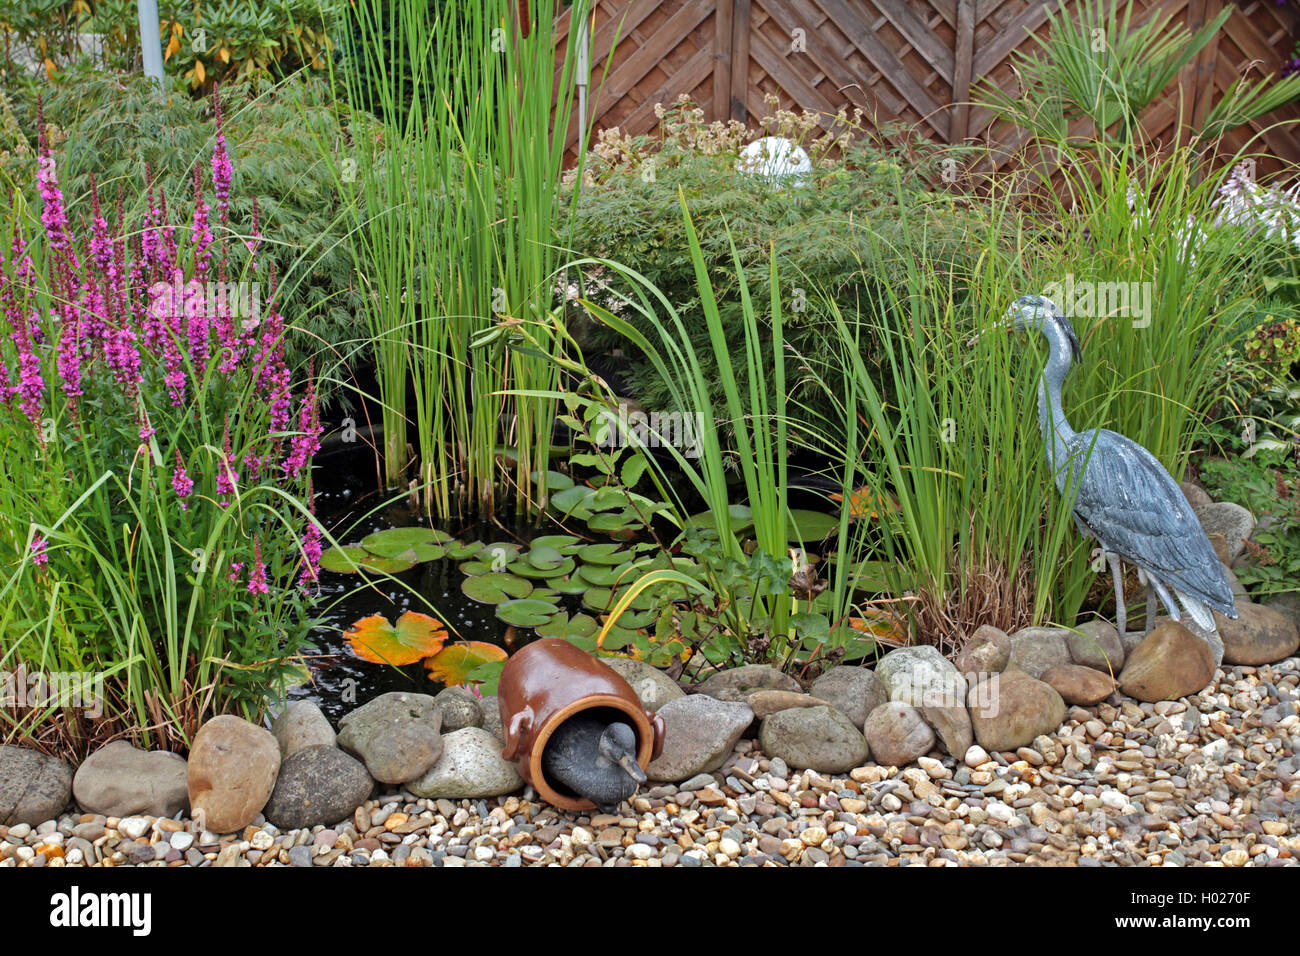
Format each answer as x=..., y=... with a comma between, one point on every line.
x=492, y=718
x=1035, y=649
x=1288, y=603
x=459, y=708
x=34, y=787
x=319, y=784
x=471, y=766
x=231, y=773
x=653, y=686
x=397, y=735
x=700, y=732
x=924, y=678
x=739, y=682
x=897, y=734
x=119, y=780
x=301, y=725
x=854, y=691
x=814, y=738
x=1096, y=645
x=987, y=651
x=1227, y=525
x=1010, y=709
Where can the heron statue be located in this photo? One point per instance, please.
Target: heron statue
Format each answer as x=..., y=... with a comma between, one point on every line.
x=595, y=759
x=1122, y=495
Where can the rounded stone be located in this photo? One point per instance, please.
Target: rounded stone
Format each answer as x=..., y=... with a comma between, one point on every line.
x=814, y=738
x=119, y=780
x=699, y=733
x=1171, y=662
x=652, y=686
x=231, y=772
x=319, y=784
x=897, y=734
x=854, y=691
x=1096, y=645
x=1078, y=684
x=1259, y=635
x=987, y=651
x=1010, y=709
x=34, y=787
x=738, y=683
x=397, y=735
x=1227, y=525
x=459, y=709
x=1035, y=649
x=471, y=766
x=302, y=725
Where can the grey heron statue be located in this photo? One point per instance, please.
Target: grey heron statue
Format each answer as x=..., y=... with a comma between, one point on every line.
x=594, y=759
x=1122, y=495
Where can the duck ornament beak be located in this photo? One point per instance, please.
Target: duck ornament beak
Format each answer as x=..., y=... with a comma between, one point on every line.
x=629, y=764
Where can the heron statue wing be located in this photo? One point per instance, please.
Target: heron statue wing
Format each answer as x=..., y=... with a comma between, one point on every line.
x=1136, y=509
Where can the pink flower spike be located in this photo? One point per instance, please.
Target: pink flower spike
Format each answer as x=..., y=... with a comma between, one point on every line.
x=257, y=577
x=39, y=557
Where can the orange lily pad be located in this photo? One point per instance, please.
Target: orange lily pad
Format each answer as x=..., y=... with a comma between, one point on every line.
x=414, y=637
x=866, y=504
x=453, y=664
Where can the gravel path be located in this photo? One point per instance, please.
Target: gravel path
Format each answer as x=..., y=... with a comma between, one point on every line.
x=1210, y=780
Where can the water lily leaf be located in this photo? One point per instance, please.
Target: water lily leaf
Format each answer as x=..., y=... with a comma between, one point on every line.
x=452, y=665
x=460, y=550
x=563, y=543
x=573, y=500
x=603, y=576
x=414, y=637
x=526, y=612
x=810, y=526
x=617, y=523
x=354, y=558
x=739, y=517
x=603, y=554
x=618, y=638
x=875, y=576
x=495, y=588
x=498, y=554
x=544, y=558
x=526, y=569
x=561, y=625
x=573, y=584
x=638, y=619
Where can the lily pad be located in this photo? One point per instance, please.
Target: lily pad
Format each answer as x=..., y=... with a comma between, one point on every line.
x=453, y=664
x=573, y=501
x=603, y=576
x=555, y=480
x=563, y=543
x=739, y=518
x=561, y=625
x=810, y=526
x=526, y=612
x=573, y=584
x=526, y=569
x=498, y=554
x=495, y=588
x=414, y=637
x=603, y=554
x=544, y=558
x=460, y=550
x=354, y=558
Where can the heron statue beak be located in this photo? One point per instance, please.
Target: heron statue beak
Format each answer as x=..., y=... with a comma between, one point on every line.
x=628, y=763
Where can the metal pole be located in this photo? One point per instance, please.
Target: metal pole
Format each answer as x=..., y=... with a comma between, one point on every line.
x=150, y=42
x=583, y=66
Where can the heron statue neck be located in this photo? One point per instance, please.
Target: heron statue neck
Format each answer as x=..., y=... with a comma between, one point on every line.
x=1052, y=422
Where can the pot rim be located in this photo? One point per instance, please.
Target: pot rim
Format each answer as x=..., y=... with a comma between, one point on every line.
x=641, y=723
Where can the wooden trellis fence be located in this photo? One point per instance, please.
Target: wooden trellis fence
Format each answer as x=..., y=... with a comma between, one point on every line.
x=914, y=61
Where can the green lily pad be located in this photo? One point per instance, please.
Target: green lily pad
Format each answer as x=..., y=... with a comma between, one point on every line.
x=354, y=558
x=621, y=521
x=573, y=584
x=573, y=500
x=608, y=553
x=495, y=588
x=555, y=480
x=563, y=543
x=544, y=558
x=638, y=619
x=603, y=576
x=739, y=518
x=526, y=612
x=527, y=570
x=810, y=526
x=618, y=638
x=460, y=550
x=561, y=625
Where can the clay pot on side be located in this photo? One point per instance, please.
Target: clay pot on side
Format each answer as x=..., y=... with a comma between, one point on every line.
x=544, y=685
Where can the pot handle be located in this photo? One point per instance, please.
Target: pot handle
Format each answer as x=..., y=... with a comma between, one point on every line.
x=521, y=724
x=660, y=729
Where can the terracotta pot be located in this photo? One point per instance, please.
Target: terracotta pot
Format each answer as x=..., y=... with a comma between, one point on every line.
x=544, y=685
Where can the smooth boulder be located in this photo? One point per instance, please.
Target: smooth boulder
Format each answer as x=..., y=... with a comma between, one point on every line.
x=897, y=734
x=34, y=787
x=319, y=784
x=302, y=725
x=652, y=686
x=699, y=733
x=739, y=682
x=1259, y=635
x=471, y=766
x=854, y=691
x=1010, y=709
x=397, y=735
x=119, y=780
x=459, y=709
x=1035, y=649
x=1171, y=662
x=1096, y=644
x=924, y=678
x=231, y=773
x=1227, y=525
x=814, y=738
x=987, y=651
x=1078, y=684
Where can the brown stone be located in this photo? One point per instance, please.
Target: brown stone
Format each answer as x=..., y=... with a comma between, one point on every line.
x=1260, y=635
x=1078, y=684
x=987, y=651
x=1171, y=662
x=1010, y=709
x=231, y=773
x=766, y=702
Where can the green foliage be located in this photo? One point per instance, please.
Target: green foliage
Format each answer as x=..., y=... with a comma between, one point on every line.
x=629, y=212
x=112, y=126
x=1268, y=484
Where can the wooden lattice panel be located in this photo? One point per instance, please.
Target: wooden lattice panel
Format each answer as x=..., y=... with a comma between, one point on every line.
x=910, y=62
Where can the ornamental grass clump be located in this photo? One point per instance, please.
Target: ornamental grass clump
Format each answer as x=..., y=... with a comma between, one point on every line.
x=156, y=524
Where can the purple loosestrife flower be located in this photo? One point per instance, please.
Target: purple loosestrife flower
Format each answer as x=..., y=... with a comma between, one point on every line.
x=221, y=168
x=235, y=568
x=39, y=555
x=182, y=483
x=257, y=576
x=306, y=442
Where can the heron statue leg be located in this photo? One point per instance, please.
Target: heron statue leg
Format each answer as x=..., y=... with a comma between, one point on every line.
x=1121, y=613
x=1151, y=607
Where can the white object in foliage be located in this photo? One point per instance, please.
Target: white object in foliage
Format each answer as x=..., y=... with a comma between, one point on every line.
x=775, y=158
